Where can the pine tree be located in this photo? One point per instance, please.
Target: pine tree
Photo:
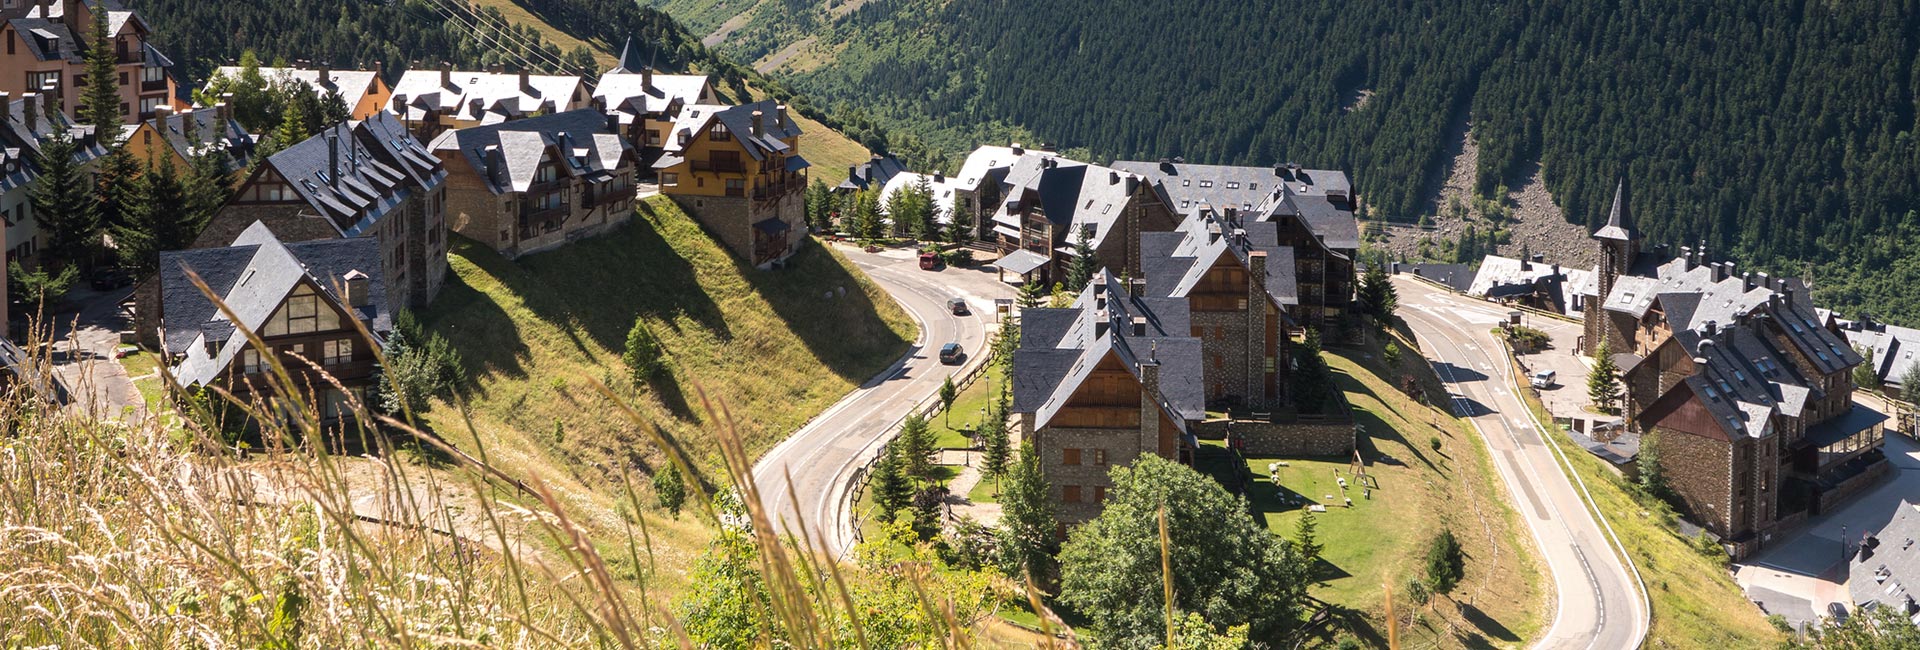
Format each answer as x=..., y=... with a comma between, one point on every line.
x=668, y=488
x=960, y=228
x=917, y=447
x=1027, y=527
x=115, y=175
x=1313, y=382
x=996, y=447
x=1866, y=375
x=1031, y=293
x=207, y=186
x=1378, y=298
x=63, y=205
x=158, y=220
x=101, y=102
x=819, y=201
x=1085, y=263
x=1653, y=476
x=1603, y=382
x=891, y=488
x=866, y=216
x=1446, y=563
x=642, y=356
x=291, y=131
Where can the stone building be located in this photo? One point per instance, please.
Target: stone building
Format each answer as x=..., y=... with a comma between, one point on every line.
x=1239, y=287
x=302, y=299
x=1744, y=395
x=537, y=183
x=738, y=171
x=1049, y=201
x=1314, y=210
x=646, y=103
x=1102, y=383
x=45, y=52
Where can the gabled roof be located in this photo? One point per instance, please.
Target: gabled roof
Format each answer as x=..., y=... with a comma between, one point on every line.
x=253, y=277
x=1895, y=349
x=943, y=187
x=484, y=96
x=1887, y=571
x=1188, y=186
x=1072, y=194
x=190, y=132
x=356, y=173
x=1175, y=262
x=627, y=95
x=739, y=121
x=991, y=163
x=878, y=171
x=1333, y=225
x=509, y=154
x=1060, y=348
x=20, y=144
x=352, y=85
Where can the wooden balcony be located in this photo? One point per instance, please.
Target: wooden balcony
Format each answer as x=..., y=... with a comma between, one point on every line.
x=725, y=166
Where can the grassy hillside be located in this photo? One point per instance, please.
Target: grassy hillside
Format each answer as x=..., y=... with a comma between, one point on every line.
x=537, y=332
x=1440, y=478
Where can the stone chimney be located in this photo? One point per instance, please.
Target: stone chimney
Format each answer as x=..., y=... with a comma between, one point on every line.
x=333, y=157
x=759, y=129
x=939, y=176
x=1113, y=177
x=326, y=75
x=50, y=99
x=780, y=116
x=853, y=172
x=446, y=75
x=221, y=109
x=29, y=111
x=356, y=288
x=162, y=111
x=6, y=107
x=526, y=82
x=399, y=105
x=1150, y=400
x=1018, y=150
x=222, y=112
x=646, y=78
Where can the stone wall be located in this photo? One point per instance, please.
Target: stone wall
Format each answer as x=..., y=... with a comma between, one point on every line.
x=1304, y=438
x=726, y=218
x=1700, y=472
x=1861, y=482
x=1121, y=447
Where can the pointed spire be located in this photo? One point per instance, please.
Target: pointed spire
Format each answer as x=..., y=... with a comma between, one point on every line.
x=1619, y=219
x=627, y=63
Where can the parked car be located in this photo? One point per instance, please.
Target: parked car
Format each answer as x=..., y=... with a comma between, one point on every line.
x=107, y=280
x=951, y=355
x=1542, y=379
x=957, y=306
x=929, y=260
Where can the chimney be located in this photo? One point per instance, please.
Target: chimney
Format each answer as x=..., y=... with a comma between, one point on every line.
x=1138, y=286
x=613, y=124
x=853, y=172
x=646, y=78
x=1686, y=255
x=939, y=176
x=71, y=15
x=356, y=289
x=162, y=111
x=758, y=128
x=780, y=116
x=333, y=157
x=50, y=99
x=6, y=107
x=1710, y=328
x=526, y=83
x=29, y=111
x=1113, y=177
x=446, y=75
x=1256, y=271
x=1139, y=326
x=1018, y=150
x=326, y=75
x=1747, y=279
x=222, y=112
x=400, y=104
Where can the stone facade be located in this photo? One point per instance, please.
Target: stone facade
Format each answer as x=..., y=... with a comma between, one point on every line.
x=1700, y=473
x=1334, y=437
x=1077, y=460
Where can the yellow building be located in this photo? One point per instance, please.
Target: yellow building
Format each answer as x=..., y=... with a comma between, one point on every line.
x=738, y=171
x=180, y=136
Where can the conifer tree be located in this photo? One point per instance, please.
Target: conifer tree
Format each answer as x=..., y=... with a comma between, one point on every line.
x=996, y=447
x=1031, y=293
x=157, y=221
x=948, y=393
x=1378, y=298
x=1085, y=263
x=101, y=103
x=917, y=447
x=1313, y=382
x=63, y=205
x=1027, y=539
x=669, y=490
x=891, y=487
x=1603, y=382
x=116, y=175
x=960, y=226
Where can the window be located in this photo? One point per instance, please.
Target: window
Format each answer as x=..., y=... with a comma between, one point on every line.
x=719, y=132
x=1253, y=186
x=1233, y=185
x=547, y=173
x=1185, y=182
x=250, y=361
x=1070, y=493
x=548, y=201
x=1100, y=457
x=1070, y=456
x=295, y=350
x=37, y=81
x=1270, y=364
x=1205, y=184
x=336, y=352
x=302, y=313
x=123, y=78
x=736, y=186
x=1099, y=494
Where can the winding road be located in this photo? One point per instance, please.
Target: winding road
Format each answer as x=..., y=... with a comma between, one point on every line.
x=823, y=456
x=1599, y=604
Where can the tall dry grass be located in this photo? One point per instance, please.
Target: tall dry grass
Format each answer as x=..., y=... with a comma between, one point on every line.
x=157, y=533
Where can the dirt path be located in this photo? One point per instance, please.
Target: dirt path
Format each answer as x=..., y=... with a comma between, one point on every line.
x=727, y=28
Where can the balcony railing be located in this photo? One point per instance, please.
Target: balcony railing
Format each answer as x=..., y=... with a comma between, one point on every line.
x=149, y=86
x=730, y=166
x=774, y=191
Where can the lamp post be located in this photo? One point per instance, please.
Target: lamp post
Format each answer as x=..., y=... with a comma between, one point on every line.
x=1843, y=542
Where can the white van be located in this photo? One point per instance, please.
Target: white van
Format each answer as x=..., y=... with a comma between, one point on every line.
x=1542, y=379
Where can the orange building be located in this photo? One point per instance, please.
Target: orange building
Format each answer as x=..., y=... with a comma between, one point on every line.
x=179, y=137
x=738, y=171
x=45, y=48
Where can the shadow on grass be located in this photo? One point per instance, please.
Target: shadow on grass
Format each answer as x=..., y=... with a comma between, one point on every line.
x=598, y=286
x=476, y=325
x=1487, y=627
x=828, y=308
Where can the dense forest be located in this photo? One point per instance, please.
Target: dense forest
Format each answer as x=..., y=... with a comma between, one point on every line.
x=1778, y=132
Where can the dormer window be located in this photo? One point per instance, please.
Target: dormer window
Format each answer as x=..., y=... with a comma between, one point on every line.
x=719, y=132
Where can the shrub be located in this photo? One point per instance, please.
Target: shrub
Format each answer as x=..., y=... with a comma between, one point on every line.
x=960, y=257
x=668, y=488
x=643, y=357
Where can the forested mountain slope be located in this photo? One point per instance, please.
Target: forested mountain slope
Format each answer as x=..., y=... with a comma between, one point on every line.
x=1780, y=132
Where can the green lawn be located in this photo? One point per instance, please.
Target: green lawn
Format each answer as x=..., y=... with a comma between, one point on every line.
x=984, y=492
x=967, y=409
x=139, y=365
x=1695, y=602
x=764, y=349
x=1380, y=541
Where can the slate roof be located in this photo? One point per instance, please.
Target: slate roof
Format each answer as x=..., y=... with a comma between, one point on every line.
x=1190, y=185
x=1888, y=571
x=693, y=120
x=990, y=163
x=253, y=277
x=1073, y=195
x=876, y=172
x=1174, y=262
x=47, y=36
x=1500, y=277
x=1059, y=349
x=20, y=144
x=1022, y=261
x=626, y=95
x=379, y=167
x=1459, y=277
x=485, y=97
x=1895, y=349
x=1334, y=225
x=353, y=85
x=192, y=131
x=508, y=154
x=1619, y=221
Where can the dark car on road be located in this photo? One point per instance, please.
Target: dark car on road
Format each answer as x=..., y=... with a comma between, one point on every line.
x=950, y=354
x=957, y=306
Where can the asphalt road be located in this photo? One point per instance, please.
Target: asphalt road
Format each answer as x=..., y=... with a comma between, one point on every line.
x=822, y=457
x=1598, y=604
